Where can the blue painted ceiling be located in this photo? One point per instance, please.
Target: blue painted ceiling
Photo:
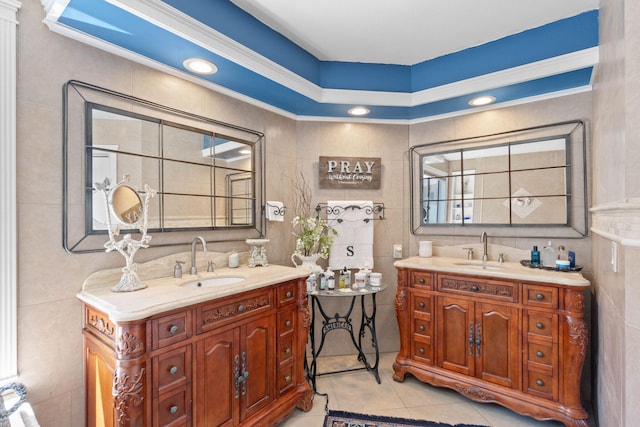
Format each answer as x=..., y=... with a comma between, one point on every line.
x=258, y=64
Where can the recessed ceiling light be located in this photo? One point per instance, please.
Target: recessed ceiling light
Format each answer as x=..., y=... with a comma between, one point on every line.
x=482, y=100
x=358, y=111
x=200, y=66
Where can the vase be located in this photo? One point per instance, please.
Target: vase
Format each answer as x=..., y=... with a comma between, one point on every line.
x=307, y=262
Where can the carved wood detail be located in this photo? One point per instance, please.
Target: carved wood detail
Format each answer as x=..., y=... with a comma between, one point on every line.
x=401, y=301
x=578, y=334
x=575, y=300
x=127, y=392
x=474, y=392
x=101, y=325
x=228, y=311
x=482, y=288
x=129, y=344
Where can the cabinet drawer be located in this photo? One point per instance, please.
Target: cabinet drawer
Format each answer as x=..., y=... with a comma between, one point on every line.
x=542, y=384
x=172, y=409
x=422, y=349
x=421, y=280
x=541, y=296
x=212, y=315
x=542, y=325
x=422, y=304
x=285, y=349
x=171, y=369
x=491, y=289
x=286, y=322
x=171, y=329
x=286, y=294
x=422, y=327
x=286, y=377
x=541, y=353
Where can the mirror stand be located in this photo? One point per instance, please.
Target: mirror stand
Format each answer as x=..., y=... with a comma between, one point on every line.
x=136, y=214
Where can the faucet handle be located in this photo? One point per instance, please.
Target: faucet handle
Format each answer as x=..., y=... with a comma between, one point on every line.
x=210, y=266
x=469, y=252
x=500, y=257
x=177, y=270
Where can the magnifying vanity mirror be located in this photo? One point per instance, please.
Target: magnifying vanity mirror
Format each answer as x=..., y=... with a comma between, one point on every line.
x=126, y=204
x=529, y=182
x=209, y=175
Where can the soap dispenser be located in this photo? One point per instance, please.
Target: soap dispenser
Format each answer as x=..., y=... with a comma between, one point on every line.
x=548, y=256
x=177, y=270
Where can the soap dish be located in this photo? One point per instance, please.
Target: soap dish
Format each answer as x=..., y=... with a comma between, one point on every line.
x=527, y=263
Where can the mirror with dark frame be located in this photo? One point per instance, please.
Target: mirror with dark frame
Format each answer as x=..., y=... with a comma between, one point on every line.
x=209, y=174
x=532, y=179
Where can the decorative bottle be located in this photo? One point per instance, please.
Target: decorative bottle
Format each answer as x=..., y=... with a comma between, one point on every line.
x=548, y=256
x=535, y=256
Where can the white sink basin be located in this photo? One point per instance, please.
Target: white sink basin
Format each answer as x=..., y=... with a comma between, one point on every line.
x=479, y=265
x=213, y=282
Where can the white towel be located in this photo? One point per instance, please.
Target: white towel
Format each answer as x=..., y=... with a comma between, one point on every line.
x=353, y=246
x=275, y=211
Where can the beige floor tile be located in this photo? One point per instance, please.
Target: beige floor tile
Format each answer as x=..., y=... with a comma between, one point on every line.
x=358, y=392
x=452, y=413
x=501, y=417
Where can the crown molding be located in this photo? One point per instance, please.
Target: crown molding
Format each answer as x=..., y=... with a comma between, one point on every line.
x=177, y=22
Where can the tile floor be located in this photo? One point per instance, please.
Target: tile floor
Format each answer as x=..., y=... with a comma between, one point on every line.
x=358, y=392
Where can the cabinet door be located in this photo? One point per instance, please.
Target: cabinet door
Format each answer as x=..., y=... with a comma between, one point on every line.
x=99, y=369
x=215, y=386
x=497, y=344
x=455, y=323
x=257, y=364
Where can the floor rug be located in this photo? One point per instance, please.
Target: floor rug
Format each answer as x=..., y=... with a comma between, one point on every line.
x=349, y=419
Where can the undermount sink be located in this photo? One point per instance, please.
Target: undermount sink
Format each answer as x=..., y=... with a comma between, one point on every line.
x=213, y=282
x=479, y=265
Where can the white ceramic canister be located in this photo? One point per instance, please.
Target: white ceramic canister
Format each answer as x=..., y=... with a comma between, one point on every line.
x=234, y=260
x=361, y=279
x=425, y=249
x=375, y=279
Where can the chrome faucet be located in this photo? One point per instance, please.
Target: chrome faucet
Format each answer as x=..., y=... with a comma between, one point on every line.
x=194, y=270
x=483, y=240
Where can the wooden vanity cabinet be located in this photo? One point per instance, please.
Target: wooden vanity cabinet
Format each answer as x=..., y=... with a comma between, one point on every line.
x=518, y=344
x=233, y=361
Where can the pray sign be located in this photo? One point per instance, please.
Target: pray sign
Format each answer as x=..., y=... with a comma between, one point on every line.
x=349, y=172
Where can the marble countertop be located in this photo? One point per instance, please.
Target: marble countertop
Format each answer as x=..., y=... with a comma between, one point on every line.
x=166, y=293
x=506, y=270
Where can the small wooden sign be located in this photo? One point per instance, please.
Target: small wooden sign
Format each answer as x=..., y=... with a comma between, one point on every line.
x=362, y=173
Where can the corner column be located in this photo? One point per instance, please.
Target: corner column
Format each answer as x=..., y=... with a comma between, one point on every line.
x=8, y=244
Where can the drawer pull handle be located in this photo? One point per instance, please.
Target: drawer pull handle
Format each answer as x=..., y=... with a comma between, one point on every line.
x=240, y=308
x=540, y=354
x=287, y=351
x=474, y=288
x=287, y=379
x=421, y=327
x=421, y=305
x=539, y=297
x=173, y=329
x=173, y=370
x=539, y=325
x=540, y=383
x=173, y=410
x=289, y=294
x=421, y=351
x=421, y=280
x=287, y=323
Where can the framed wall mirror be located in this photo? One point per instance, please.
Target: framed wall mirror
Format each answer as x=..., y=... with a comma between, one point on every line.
x=209, y=174
x=530, y=182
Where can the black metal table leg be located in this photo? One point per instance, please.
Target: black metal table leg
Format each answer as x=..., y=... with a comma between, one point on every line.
x=343, y=321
